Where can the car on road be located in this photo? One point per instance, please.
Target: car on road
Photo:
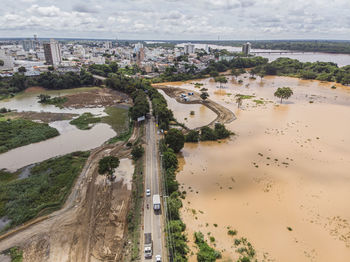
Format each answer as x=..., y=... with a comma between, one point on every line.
x=158, y=258
x=148, y=192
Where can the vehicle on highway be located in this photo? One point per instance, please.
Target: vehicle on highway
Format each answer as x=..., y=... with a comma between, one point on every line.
x=148, y=245
x=156, y=202
x=158, y=258
x=148, y=192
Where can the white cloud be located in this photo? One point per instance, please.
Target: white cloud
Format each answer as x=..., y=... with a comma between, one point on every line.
x=177, y=19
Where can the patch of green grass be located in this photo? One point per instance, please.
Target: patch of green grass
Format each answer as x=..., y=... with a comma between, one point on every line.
x=205, y=253
x=56, y=101
x=85, y=121
x=16, y=254
x=117, y=118
x=245, y=96
x=123, y=136
x=258, y=102
x=20, y=132
x=44, y=191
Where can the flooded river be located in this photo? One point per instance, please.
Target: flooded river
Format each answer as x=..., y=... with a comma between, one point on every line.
x=70, y=139
x=339, y=59
x=283, y=181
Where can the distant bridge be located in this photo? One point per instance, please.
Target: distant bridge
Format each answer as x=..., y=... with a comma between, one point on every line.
x=276, y=52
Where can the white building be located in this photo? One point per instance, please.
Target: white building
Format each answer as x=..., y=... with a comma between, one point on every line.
x=189, y=49
x=52, y=52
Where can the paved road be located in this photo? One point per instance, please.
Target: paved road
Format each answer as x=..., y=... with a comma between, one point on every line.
x=152, y=221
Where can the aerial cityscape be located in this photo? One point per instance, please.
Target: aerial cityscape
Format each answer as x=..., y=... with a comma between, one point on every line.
x=175, y=131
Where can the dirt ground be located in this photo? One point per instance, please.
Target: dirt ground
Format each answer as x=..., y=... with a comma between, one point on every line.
x=95, y=98
x=91, y=226
x=224, y=115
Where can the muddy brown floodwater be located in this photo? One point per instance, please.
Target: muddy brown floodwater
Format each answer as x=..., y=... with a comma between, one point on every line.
x=287, y=167
x=202, y=115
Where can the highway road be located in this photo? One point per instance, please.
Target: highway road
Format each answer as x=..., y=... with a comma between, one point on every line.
x=153, y=222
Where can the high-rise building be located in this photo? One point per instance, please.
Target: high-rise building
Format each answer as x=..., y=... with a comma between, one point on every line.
x=108, y=45
x=246, y=48
x=189, y=49
x=52, y=52
x=28, y=45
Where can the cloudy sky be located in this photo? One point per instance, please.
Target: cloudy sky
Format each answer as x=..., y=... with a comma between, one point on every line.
x=177, y=19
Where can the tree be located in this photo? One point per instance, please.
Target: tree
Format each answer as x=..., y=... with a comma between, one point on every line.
x=192, y=136
x=170, y=159
x=50, y=68
x=204, y=95
x=207, y=134
x=137, y=152
x=107, y=165
x=221, y=131
x=43, y=98
x=283, y=93
x=235, y=72
x=262, y=74
x=175, y=139
x=22, y=69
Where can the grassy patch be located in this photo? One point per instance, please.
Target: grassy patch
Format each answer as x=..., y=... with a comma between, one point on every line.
x=56, y=101
x=85, y=121
x=205, y=253
x=258, y=102
x=117, y=118
x=123, y=136
x=44, y=191
x=244, y=96
x=20, y=132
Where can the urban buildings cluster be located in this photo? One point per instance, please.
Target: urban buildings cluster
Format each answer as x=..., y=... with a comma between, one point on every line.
x=152, y=58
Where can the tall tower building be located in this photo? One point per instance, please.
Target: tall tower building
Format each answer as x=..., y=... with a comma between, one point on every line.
x=52, y=53
x=246, y=48
x=189, y=49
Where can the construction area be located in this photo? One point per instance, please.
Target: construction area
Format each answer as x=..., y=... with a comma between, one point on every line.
x=91, y=226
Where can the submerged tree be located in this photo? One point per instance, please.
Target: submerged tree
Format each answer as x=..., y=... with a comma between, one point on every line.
x=283, y=93
x=204, y=96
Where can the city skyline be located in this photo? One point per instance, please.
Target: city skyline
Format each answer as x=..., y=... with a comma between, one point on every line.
x=177, y=19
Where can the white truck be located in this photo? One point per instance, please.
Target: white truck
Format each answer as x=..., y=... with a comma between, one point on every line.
x=156, y=202
x=148, y=245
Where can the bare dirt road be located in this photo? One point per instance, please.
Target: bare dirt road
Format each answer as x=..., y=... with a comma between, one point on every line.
x=90, y=227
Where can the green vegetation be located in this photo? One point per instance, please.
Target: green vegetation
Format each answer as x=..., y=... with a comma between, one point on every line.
x=123, y=136
x=135, y=210
x=16, y=254
x=117, y=118
x=205, y=253
x=49, y=80
x=175, y=228
x=57, y=101
x=219, y=132
x=204, y=95
x=137, y=152
x=141, y=105
x=245, y=249
x=175, y=139
x=85, y=121
x=44, y=191
x=220, y=79
x=232, y=232
x=283, y=93
x=20, y=132
x=192, y=136
x=342, y=47
x=323, y=71
x=107, y=165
